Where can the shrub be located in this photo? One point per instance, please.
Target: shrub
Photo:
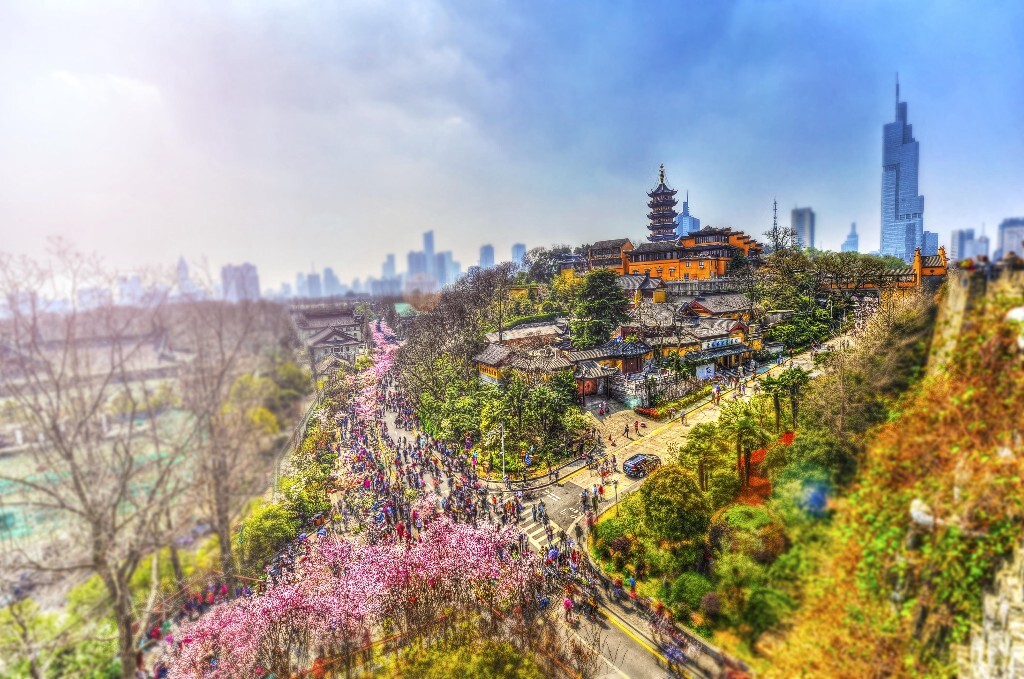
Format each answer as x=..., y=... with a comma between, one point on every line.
x=690, y=589
x=711, y=605
x=723, y=489
x=266, y=530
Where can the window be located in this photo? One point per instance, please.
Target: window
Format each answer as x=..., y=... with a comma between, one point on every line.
x=687, y=265
x=701, y=263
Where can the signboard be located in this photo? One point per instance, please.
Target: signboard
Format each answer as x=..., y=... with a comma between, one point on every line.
x=706, y=371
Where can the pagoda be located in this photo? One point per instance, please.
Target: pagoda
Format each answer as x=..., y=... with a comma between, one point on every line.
x=663, y=211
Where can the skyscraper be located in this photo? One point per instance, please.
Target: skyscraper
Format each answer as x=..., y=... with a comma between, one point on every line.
x=929, y=244
x=518, y=253
x=852, y=242
x=1011, y=236
x=487, y=256
x=416, y=263
x=902, y=206
x=387, y=270
x=313, y=285
x=239, y=283
x=428, y=244
x=301, y=290
x=802, y=223
x=332, y=286
x=685, y=222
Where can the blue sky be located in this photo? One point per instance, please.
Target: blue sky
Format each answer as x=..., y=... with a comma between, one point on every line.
x=295, y=134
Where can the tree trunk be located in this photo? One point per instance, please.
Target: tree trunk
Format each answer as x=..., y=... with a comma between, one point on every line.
x=746, y=468
x=778, y=411
x=793, y=406
x=222, y=522
x=179, y=575
x=739, y=459
x=125, y=619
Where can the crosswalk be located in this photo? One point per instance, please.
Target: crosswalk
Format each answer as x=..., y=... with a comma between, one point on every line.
x=535, y=530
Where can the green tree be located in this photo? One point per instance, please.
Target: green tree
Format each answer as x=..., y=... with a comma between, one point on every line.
x=601, y=307
x=673, y=507
x=739, y=423
x=794, y=380
x=703, y=452
x=775, y=388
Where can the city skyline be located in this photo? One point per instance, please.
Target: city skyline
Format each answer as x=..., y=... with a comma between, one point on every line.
x=105, y=140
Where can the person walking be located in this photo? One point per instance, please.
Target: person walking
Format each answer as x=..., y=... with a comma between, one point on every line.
x=625, y=431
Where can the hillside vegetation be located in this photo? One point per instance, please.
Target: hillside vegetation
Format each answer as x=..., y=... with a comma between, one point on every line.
x=935, y=503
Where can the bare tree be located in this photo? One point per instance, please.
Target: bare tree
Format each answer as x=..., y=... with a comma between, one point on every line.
x=110, y=471
x=224, y=403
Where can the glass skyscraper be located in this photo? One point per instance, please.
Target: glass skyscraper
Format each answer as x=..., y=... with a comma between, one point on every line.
x=902, y=207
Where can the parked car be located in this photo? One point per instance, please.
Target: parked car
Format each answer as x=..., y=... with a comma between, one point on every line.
x=640, y=465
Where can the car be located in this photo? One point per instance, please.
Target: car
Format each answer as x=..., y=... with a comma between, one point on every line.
x=640, y=465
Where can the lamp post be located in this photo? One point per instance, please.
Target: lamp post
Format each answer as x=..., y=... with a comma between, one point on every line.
x=615, y=485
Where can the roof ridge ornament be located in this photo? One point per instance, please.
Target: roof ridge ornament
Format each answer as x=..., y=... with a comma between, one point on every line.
x=661, y=174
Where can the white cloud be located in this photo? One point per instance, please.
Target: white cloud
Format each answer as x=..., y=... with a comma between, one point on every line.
x=108, y=88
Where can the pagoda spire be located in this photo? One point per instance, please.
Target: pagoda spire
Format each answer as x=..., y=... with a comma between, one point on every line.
x=661, y=174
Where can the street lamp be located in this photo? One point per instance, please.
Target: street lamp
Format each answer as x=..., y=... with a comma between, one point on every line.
x=615, y=485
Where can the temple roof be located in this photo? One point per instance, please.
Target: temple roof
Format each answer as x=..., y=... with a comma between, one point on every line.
x=612, y=349
x=494, y=355
x=331, y=337
x=719, y=304
x=527, y=331
x=614, y=243
x=589, y=370
x=636, y=281
x=932, y=261
x=661, y=246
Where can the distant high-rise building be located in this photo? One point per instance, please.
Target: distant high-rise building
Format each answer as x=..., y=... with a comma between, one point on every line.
x=487, y=256
x=961, y=244
x=428, y=244
x=416, y=263
x=442, y=268
x=313, y=285
x=902, y=206
x=94, y=298
x=332, y=286
x=285, y=291
x=454, y=271
x=802, y=223
x=130, y=291
x=301, y=290
x=852, y=242
x=387, y=270
x=685, y=222
x=357, y=285
x=1010, y=237
x=929, y=243
x=981, y=245
x=239, y=283
x=518, y=253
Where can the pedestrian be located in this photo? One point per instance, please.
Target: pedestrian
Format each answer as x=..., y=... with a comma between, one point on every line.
x=535, y=513
x=625, y=431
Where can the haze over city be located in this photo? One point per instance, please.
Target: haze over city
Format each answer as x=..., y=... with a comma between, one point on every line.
x=301, y=135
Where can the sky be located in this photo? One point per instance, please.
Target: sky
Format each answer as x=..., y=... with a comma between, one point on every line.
x=309, y=134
